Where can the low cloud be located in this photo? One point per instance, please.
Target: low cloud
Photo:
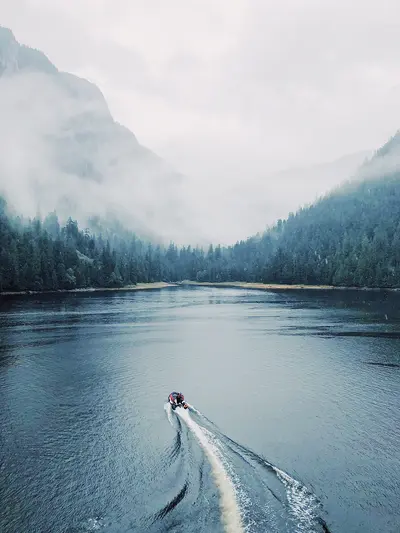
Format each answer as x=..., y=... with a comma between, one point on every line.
x=231, y=92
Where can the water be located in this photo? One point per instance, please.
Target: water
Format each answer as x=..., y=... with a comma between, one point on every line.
x=294, y=423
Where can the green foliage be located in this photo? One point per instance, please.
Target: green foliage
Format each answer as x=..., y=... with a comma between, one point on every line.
x=349, y=238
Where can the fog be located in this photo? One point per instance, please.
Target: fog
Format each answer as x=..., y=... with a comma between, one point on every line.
x=61, y=150
x=257, y=107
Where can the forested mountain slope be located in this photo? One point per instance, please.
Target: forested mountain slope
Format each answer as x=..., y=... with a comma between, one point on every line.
x=79, y=159
x=350, y=238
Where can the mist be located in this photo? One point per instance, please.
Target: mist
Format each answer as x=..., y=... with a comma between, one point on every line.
x=61, y=150
x=253, y=109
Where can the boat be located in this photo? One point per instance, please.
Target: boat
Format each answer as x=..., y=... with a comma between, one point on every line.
x=176, y=399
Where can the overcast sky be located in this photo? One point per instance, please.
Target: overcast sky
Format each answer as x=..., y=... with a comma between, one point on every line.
x=231, y=90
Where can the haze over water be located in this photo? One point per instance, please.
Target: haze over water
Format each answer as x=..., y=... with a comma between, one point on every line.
x=294, y=428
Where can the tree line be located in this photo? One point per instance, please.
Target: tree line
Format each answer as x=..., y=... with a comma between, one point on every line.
x=349, y=238
x=42, y=255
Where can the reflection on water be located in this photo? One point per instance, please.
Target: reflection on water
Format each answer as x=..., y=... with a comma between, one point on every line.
x=304, y=382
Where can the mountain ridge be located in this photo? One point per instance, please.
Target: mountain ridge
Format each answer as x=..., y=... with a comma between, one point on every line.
x=64, y=151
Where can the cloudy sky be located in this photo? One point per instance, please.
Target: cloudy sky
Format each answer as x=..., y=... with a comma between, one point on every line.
x=231, y=91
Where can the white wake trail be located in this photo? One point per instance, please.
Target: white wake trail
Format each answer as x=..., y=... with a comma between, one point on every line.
x=168, y=410
x=230, y=511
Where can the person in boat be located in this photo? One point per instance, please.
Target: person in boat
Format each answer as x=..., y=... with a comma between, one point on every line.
x=176, y=399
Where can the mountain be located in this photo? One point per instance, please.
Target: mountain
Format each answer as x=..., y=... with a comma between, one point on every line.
x=350, y=237
x=61, y=149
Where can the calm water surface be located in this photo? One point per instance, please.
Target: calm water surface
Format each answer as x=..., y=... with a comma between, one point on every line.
x=294, y=423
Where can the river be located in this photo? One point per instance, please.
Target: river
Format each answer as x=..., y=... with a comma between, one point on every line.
x=293, y=425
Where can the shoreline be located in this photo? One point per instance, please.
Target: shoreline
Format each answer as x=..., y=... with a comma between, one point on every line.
x=279, y=286
x=139, y=287
x=217, y=285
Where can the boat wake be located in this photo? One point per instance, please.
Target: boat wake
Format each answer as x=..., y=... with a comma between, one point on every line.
x=224, y=486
